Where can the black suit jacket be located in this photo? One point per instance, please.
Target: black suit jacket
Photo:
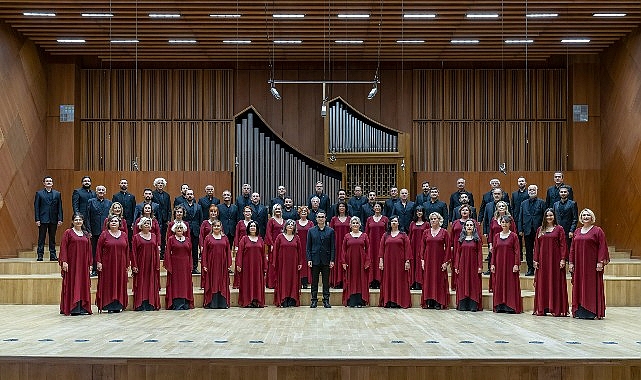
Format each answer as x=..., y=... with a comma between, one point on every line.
x=325, y=203
x=321, y=246
x=128, y=202
x=454, y=202
x=97, y=212
x=79, y=200
x=259, y=214
x=517, y=198
x=205, y=203
x=567, y=215
x=553, y=196
x=228, y=218
x=193, y=216
x=405, y=214
x=531, y=219
x=47, y=206
x=139, y=206
x=438, y=206
x=488, y=198
x=163, y=215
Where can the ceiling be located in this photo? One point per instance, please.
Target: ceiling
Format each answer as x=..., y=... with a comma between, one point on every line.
x=320, y=28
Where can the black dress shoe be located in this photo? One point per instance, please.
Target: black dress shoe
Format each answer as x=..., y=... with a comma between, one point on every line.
x=314, y=304
x=195, y=271
x=39, y=258
x=487, y=272
x=53, y=258
x=326, y=304
x=530, y=272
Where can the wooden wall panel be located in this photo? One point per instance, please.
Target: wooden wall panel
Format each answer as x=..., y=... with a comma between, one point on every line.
x=157, y=94
x=620, y=86
x=23, y=138
x=61, y=89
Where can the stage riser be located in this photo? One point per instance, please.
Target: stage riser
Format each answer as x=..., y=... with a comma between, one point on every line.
x=328, y=369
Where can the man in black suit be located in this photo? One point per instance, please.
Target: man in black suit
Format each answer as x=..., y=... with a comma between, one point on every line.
x=553, y=191
x=530, y=218
x=324, y=203
x=148, y=197
x=193, y=216
x=279, y=198
x=342, y=198
x=228, y=213
x=425, y=195
x=368, y=208
x=163, y=215
x=389, y=203
x=567, y=214
x=518, y=197
x=80, y=197
x=97, y=212
x=48, y=215
x=460, y=190
x=321, y=255
x=259, y=213
x=208, y=200
x=356, y=202
x=289, y=211
x=244, y=199
x=182, y=198
x=436, y=205
x=488, y=197
x=404, y=209
x=128, y=202
x=456, y=213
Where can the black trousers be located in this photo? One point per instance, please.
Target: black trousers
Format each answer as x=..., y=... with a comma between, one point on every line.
x=163, y=238
x=194, y=251
x=43, y=230
x=320, y=269
x=94, y=246
x=529, y=249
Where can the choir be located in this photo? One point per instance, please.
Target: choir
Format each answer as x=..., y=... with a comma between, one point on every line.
x=395, y=247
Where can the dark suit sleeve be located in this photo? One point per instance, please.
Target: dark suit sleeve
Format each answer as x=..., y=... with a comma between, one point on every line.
x=520, y=220
x=308, y=248
x=74, y=201
x=575, y=217
x=60, y=218
x=332, y=247
x=36, y=207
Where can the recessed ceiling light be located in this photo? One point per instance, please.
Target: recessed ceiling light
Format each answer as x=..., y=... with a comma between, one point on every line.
x=353, y=15
x=97, y=15
x=347, y=42
x=528, y=41
x=124, y=41
x=71, y=41
x=284, y=42
x=39, y=14
x=419, y=15
x=482, y=15
x=237, y=41
x=609, y=14
x=164, y=15
x=182, y=41
x=575, y=41
x=288, y=15
x=410, y=41
x=229, y=15
x=464, y=41
x=542, y=15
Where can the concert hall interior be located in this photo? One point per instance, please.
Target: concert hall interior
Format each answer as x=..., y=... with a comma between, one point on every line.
x=378, y=94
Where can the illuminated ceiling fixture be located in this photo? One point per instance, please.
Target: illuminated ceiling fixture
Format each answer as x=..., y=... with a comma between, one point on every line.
x=288, y=15
x=609, y=14
x=39, y=14
x=482, y=15
x=97, y=15
x=236, y=15
x=71, y=41
x=419, y=15
x=542, y=15
x=575, y=41
x=274, y=91
x=164, y=15
x=352, y=15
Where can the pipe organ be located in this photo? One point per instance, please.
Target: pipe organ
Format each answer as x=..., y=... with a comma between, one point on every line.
x=265, y=161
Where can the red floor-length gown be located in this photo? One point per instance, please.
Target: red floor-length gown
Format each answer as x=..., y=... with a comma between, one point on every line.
x=507, y=285
x=336, y=274
x=146, y=257
x=274, y=228
x=550, y=284
x=416, y=236
x=113, y=254
x=286, y=256
x=302, y=231
x=178, y=262
x=76, y=252
x=468, y=260
x=395, y=284
x=155, y=229
x=356, y=256
x=457, y=228
x=435, y=252
x=495, y=228
x=251, y=259
x=241, y=230
x=587, y=289
x=216, y=257
x=375, y=230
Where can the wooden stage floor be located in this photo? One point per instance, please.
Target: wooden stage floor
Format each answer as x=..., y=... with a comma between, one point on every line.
x=302, y=333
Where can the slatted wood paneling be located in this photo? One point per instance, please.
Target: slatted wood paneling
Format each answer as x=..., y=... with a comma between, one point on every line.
x=491, y=116
x=159, y=120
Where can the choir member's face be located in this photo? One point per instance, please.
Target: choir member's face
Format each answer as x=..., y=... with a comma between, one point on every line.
x=501, y=208
x=355, y=225
x=342, y=195
x=179, y=213
x=521, y=183
x=549, y=217
x=434, y=194
x=289, y=203
x=319, y=188
x=216, y=227
x=464, y=199
x=117, y=209
x=160, y=185
x=209, y=190
x=394, y=224
x=147, y=195
x=505, y=226
x=278, y=211
x=146, y=210
x=114, y=223
x=289, y=228
x=426, y=187
x=124, y=185
x=393, y=192
x=434, y=222
x=460, y=184
x=495, y=183
x=496, y=194
x=100, y=191
x=213, y=213
x=255, y=198
x=189, y=195
x=246, y=189
x=281, y=191
x=77, y=222
x=183, y=189
x=179, y=231
x=469, y=227
x=315, y=203
x=465, y=212
x=404, y=194
x=146, y=227
x=226, y=197
x=248, y=213
x=419, y=214
x=358, y=191
x=252, y=229
x=341, y=209
x=564, y=193
x=586, y=218
x=558, y=178
x=377, y=208
x=532, y=191
x=371, y=196
x=86, y=182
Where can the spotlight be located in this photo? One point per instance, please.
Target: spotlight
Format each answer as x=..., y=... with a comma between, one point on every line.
x=324, y=108
x=274, y=92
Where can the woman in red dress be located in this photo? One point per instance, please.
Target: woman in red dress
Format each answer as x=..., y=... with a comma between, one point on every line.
x=504, y=265
x=434, y=257
x=274, y=228
x=394, y=261
x=115, y=210
x=468, y=265
x=145, y=267
x=179, y=213
x=286, y=256
x=550, y=257
x=178, y=262
x=147, y=211
x=375, y=229
x=356, y=263
x=241, y=231
x=75, y=261
x=588, y=258
x=340, y=225
x=216, y=261
x=205, y=230
x=112, y=262
x=417, y=227
x=303, y=225
x=500, y=210
x=250, y=263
